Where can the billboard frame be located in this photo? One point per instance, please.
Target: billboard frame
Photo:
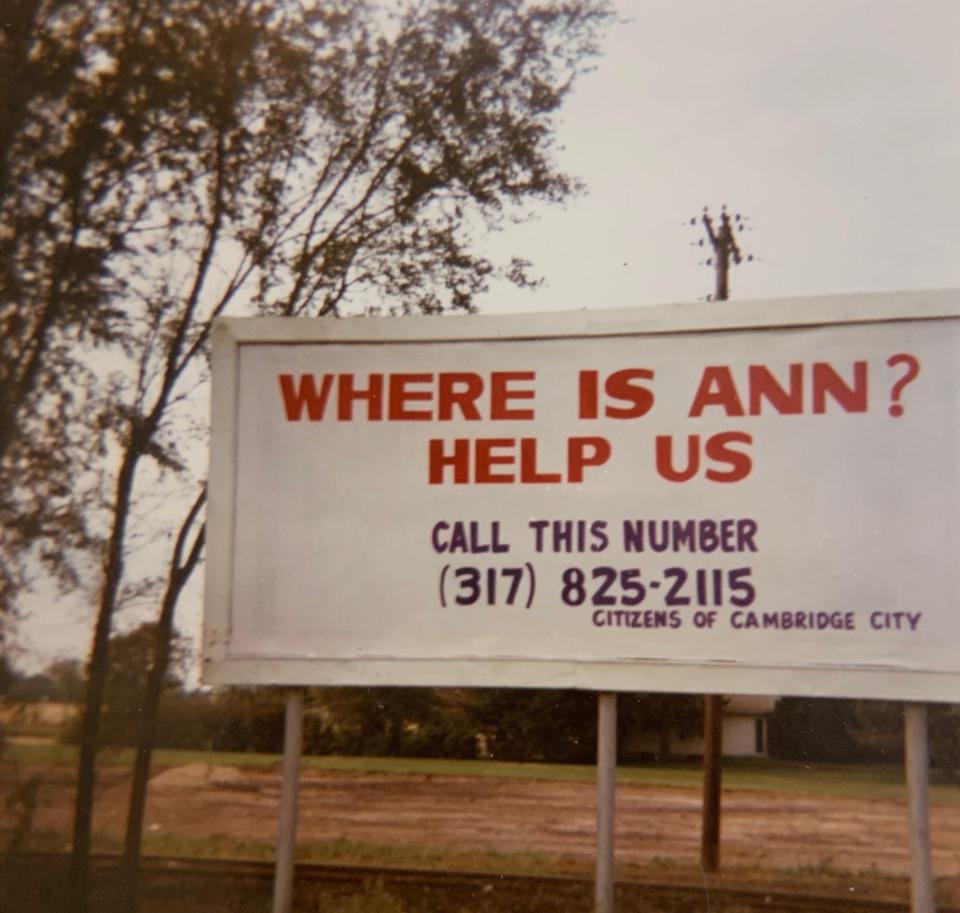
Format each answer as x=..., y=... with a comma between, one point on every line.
x=222, y=664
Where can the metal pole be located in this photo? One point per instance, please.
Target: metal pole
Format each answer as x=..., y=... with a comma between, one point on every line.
x=918, y=802
x=606, y=799
x=712, y=753
x=287, y=836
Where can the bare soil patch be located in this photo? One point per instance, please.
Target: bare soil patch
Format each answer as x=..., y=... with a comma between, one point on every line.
x=759, y=829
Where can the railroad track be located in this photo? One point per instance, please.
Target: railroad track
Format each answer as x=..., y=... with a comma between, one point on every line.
x=160, y=873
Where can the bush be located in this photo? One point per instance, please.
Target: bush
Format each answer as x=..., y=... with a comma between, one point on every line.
x=816, y=729
x=248, y=719
x=524, y=725
x=944, y=723
x=187, y=719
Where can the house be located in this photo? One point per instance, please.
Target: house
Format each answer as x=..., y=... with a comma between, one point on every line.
x=745, y=719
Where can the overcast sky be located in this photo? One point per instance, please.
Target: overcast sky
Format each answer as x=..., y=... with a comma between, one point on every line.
x=832, y=125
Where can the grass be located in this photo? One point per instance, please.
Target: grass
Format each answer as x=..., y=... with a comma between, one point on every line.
x=352, y=853
x=883, y=782
x=873, y=781
x=824, y=878
x=329, y=852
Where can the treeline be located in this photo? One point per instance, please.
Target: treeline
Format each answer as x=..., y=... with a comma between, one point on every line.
x=399, y=722
x=507, y=724
x=167, y=162
x=841, y=731
x=522, y=725
x=405, y=722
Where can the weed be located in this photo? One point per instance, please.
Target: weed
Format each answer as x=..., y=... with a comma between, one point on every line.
x=374, y=899
x=22, y=804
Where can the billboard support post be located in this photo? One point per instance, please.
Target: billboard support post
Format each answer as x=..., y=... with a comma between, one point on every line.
x=918, y=803
x=646, y=534
x=289, y=789
x=606, y=799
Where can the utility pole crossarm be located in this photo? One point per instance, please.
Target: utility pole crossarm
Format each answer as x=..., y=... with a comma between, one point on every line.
x=708, y=224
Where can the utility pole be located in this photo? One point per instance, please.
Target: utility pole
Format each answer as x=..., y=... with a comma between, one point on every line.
x=723, y=240
x=724, y=243
x=712, y=778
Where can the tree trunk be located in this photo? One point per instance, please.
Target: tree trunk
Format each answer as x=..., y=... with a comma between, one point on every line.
x=147, y=730
x=96, y=685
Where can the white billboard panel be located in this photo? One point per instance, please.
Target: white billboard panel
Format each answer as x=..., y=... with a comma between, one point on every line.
x=729, y=497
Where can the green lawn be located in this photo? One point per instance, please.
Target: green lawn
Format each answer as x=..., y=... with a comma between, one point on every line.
x=881, y=781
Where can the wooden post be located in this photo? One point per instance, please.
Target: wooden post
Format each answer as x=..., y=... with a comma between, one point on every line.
x=724, y=243
x=712, y=753
x=289, y=788
x=606, y=800
x=918, y=803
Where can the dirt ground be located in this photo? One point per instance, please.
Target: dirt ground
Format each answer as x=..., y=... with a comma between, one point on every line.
x=762, y=829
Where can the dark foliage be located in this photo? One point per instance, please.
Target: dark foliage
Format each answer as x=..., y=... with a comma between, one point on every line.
x=504, y=724
x=130, y=657
x=64, y=161
x=397, y=722
x=402, y=722
x=539, y=725
x=855, y=731
x=32, y=688
x=815, y=729
x=8, y=675
x=247, y=719
x=944, y=725
x=61, y=681
x=164, y=162
x=667, y=715
x=879, y=730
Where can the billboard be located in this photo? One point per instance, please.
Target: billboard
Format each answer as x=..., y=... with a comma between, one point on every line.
x=749, y=497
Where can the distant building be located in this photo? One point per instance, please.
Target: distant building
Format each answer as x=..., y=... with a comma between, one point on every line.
x=745, y=719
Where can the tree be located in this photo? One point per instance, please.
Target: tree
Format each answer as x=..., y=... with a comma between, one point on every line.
x=8, y=675
x=62, y=680
x=877, y=729
x=165, y=653
x=539, y=725
x=391, y=722
x=32, y=688
x=561, y=726
x=815, y=729
x=249, y=719
x=945, y=740
x=856, y=731
x=67, y=678
x=175, y=159
x=131, y=657
x=664, y=714
x=61, y=220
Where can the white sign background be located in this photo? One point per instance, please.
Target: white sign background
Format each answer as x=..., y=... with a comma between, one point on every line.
x=322, y=565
